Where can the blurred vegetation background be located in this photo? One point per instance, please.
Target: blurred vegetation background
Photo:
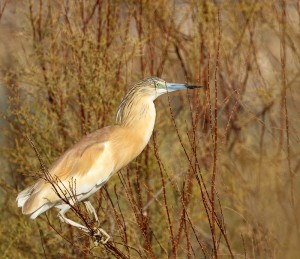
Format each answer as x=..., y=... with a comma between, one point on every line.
x=220, y=177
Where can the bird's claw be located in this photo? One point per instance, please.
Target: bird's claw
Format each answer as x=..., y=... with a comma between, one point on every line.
x=100, y=236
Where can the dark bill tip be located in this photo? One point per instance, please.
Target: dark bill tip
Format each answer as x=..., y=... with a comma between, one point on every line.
x=194, y=86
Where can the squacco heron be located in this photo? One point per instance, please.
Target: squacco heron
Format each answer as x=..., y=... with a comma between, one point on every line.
x=92, y=161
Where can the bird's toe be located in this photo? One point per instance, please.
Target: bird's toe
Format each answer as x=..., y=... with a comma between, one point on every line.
x=100, y=236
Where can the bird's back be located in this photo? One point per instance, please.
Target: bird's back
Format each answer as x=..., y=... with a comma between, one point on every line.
x=69, y=170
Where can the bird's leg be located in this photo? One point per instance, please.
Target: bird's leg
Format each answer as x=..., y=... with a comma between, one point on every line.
x=99, y=233
x=63, y=218
x=91, y=209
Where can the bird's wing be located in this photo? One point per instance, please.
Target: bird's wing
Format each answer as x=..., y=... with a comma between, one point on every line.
x=77, y=161
x=79, y=168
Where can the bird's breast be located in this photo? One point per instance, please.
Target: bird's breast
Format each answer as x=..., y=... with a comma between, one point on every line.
x=130, y=142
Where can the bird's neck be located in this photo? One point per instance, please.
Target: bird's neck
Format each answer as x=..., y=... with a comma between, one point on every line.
x=138, y=116
x=136, y=111
x=133, y=134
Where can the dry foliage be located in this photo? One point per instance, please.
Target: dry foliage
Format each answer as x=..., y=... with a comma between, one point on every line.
x=220, y=177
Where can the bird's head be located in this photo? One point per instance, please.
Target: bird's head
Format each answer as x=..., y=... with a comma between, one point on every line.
x=143, y=93
x=154, y=87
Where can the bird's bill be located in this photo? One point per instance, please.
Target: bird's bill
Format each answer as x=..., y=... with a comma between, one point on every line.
x=174, y=86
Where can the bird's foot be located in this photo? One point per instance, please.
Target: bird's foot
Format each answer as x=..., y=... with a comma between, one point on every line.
x=100, y=236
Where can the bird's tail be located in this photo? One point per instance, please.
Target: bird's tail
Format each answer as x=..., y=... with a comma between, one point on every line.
x=31, y=202
x=24, y=196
